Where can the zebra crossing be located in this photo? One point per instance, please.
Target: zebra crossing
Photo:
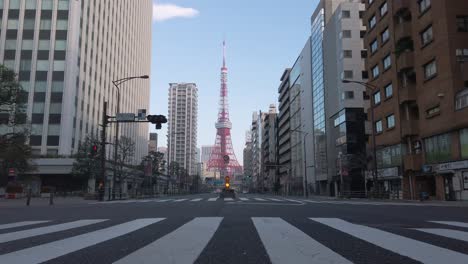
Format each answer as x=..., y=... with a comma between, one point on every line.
x=211, y=199
x=283, y=241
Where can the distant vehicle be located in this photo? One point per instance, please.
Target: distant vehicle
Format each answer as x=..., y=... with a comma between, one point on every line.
x=227, y=193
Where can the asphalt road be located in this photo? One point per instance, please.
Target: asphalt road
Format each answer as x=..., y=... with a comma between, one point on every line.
x=249, y=229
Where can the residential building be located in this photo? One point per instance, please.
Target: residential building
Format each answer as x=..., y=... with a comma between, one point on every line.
x=284, y=133
x=257, y=134
x=345, y=104
x=419, y=96
x=269, y=149
x=182, y=125
x=153, y=142
x=66, y=54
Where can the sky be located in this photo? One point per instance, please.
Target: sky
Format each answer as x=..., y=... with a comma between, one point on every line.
x=263, y=37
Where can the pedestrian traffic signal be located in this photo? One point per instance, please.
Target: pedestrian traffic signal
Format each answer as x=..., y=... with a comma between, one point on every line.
x=94, y=150
x=157, y=119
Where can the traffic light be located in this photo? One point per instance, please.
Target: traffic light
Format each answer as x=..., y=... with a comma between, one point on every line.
x=94, y=151
x=157, y=119
x=227, y=183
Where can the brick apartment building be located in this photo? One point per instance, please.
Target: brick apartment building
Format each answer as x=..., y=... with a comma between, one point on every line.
x=417, y=54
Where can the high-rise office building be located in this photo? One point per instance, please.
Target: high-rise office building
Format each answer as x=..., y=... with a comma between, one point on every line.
x=206, y=152
x=182, y=125
x=269, y=149
x=153, y=142
x=66, y=54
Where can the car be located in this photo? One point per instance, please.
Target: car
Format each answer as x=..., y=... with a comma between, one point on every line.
x=227, y=193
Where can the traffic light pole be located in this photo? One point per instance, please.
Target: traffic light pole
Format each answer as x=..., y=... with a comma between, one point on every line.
x=103, y=142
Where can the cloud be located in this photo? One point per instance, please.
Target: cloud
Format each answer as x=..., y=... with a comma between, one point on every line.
x=162, y=12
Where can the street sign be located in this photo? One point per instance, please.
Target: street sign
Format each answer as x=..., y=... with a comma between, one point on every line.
x=141, y=114
x=125, y=117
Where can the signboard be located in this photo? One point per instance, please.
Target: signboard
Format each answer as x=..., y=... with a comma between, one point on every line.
x=125, y=117
x=452, y=166
x=388, y=173
x=141, y=114
x=465, y=180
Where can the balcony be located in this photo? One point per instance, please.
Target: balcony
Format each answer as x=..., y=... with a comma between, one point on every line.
x=403, y=30
x=401, y=5
x=409, y=128
x=405, y=61
x=413, y=162
x=408, y=93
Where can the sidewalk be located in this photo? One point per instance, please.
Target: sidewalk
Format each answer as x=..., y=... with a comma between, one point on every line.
x=37, y=201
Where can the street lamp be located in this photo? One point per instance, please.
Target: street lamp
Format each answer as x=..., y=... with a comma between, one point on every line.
x=116, y=84
x=306, y=192
x=371, y=88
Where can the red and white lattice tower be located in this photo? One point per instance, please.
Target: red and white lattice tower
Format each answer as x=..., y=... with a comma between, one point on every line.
x=223, y=145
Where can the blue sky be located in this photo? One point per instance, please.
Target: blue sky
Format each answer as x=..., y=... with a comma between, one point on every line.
x=263, y=38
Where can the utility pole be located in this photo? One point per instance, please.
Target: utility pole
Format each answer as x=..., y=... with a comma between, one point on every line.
x=103, y=142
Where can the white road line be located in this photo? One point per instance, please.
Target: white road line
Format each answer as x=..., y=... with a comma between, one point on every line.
x=180, y=200
x=458, y=224
x=260, y=199
x=196, y=200
x=287, y=244
x=183, y=245
x=24, y=223
x=417, y=250
x=162, y=201
x=291, y=200
x=45, y=252
x=143, y=201
x=213, y=199
x=276, y=200
x=243, y=199
x=46, y=230
x=455, y=234
x=228, y=199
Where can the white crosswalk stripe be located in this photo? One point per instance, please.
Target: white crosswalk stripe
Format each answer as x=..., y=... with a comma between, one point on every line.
x=260, y=199
x=213, y=199
x=164, y=200
x=457, y=224
x=243, y=199
x=183, y=245
x=411, y=248
x=454, y=234
x=20, y=224
x=46, y=230
x=287, y=244
x=275, y=200
x=196, y=200
x=45, y=252
x=228, y=199
x=180, y=200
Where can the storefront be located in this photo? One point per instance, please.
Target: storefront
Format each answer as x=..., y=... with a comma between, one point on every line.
x=455, y=179
x=388, y=181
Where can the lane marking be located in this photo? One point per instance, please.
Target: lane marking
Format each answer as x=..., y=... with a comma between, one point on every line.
x=180, y=200
x=260, y=199
x=276, y=200
x=143, y=201
x=243, y=199
x=24, y=223
x=414, y=249
x=458, y=224
x=228, y=199
x=183, y=245
x=213, y=199
x=287, y=244
x=196, y=200
x=46, y=230
x=454, y=234
x=162, y=201
x=46, y=252
x=291, y=200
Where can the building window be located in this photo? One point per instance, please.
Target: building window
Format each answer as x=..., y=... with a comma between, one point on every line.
x=29, y=24
x=383, y=9
x=31, y=4
x=347, y=54
x=372, y=22
x=377, y=98
x=374, y=46
x=389, y=91
x=375, y=71
x=385, y=35
x=427, y=36
x=347, y=75
x=378, y=126
x=462, y=23
x=390, y=156
x=62, y=24
x=346, y=33
x=464, y=143
x=44, y=44
x=14, y=4
x=47, y=4
x=438, y=148
x=387, y=62
x=42, y=65
x=340, y=119
x=46, y=24
x=12, y=24
x=347, y=95
x=433, y=111
x=27, y=44
x=10, y=44
x=345, y=14
x=390, y=121
x=430, y=70
x=461, y=100
x=424, y=5
x=63, y=4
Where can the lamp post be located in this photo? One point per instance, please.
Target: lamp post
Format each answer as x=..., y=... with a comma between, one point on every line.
x=306, y=192
x=371, y=88
x=116, y=84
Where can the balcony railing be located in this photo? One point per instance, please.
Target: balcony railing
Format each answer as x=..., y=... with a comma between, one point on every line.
x=408, y=93
x=405, y=60
x=403, y=30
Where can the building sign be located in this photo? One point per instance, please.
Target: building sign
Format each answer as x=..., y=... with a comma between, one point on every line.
x=465, y=180
x=384, y=174
x=141, y=114
x=452, y=166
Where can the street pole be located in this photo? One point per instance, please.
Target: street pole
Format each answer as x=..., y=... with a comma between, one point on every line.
x=116, y=142
x=103, y=142
x=306, y=190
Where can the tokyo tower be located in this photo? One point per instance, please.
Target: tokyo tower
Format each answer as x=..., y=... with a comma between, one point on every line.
x=223, y=158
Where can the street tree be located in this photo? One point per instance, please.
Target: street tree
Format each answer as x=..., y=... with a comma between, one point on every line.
x=15, y=152
x=125, y=155
x=87, y=163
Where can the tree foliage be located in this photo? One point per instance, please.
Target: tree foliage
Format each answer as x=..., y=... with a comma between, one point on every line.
x=125, y=155
x=158, y=163
x=15, y=152
x=87, y=165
